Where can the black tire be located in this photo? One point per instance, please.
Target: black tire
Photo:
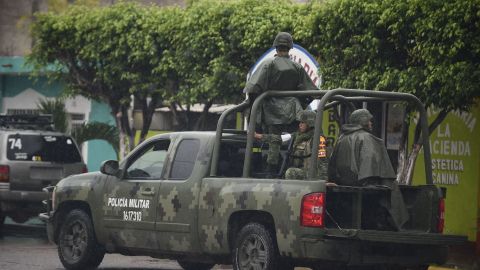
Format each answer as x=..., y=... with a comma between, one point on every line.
x=254, y=249
x=2, y=222
x=195, y=266
x=330, y=267
x=77, y=245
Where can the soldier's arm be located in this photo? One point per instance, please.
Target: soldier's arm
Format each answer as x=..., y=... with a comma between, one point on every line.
x=258, y=83
x=305, y=83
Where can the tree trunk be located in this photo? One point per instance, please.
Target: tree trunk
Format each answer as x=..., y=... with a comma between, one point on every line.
x=202, y=120
x=176, y=116
x=412, y=158
x=130, y=144
x=186, y=118
x=121, y=135
x=148, y=109
x=120, y=113
x=405, y=176
x=403, y=149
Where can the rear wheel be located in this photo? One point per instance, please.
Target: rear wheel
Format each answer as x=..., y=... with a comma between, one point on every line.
x=77, y=246
x=195, y=266
x=2, y=221
x=254, y=249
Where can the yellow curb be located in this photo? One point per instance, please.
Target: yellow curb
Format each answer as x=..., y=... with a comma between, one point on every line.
x=439, y=268
x=429, y=268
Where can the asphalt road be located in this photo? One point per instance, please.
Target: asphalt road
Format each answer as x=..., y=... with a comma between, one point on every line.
x=25, y=247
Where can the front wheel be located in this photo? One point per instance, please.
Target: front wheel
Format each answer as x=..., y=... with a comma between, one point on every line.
x=195, y=266
x=254, y=249
x=77, y=246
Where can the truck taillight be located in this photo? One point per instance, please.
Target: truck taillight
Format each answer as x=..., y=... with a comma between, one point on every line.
x=4, y=173
x=84, y=169
x=313, y=210
x=441, y=215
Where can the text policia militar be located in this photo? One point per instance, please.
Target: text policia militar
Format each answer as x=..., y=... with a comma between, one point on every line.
x=129, y=203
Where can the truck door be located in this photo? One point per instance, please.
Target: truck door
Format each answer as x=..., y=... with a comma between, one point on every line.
x=178, y=198
x=130, y=201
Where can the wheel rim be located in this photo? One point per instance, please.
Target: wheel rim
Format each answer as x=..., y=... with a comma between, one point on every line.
x=253, y=254
x=74, y=241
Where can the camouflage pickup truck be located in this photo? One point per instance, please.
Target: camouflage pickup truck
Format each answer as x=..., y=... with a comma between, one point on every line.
x=200, y=198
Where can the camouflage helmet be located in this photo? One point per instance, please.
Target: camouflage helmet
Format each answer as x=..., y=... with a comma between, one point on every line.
x=306, y=116
x=283, y=39
x=360, y=117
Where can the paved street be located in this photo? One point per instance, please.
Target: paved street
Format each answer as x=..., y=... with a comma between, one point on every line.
x=26, y=247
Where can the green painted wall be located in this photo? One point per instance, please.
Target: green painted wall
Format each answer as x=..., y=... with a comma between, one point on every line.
x=99, y=150
x=15, y=78
x=15, y=84
x=455, y=162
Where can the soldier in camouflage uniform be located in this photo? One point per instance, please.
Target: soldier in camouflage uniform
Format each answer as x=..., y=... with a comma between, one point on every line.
x=302, y=149
x=280, y=74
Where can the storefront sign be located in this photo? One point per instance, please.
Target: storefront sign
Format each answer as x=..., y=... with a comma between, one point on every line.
x=455, y=152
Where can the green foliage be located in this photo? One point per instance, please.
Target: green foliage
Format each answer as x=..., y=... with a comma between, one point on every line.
x=81, y=134
x=56, y=108
x=429, y=48
x=214, y=43
x=202, y=53
x=96, y=131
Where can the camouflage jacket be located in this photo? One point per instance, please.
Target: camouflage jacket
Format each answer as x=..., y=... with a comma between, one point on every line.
x=302, y=150
x=281, y=74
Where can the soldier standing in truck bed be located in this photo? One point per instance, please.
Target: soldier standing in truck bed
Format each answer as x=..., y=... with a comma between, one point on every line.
x=278, y=113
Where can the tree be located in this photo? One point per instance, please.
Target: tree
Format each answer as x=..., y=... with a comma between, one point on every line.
x=104, y=54
x=86, y=132
x=429, y=48
x=213, y=46
x=56, y=108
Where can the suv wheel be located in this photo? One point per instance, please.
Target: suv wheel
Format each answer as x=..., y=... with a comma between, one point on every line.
x=77, y=246
x=2, y=221
x=254, y=249
x=195, y=266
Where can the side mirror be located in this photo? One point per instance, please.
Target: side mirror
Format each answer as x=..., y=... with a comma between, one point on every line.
x=109, y=167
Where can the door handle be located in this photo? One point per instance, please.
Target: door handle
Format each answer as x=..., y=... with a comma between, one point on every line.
x=147, y=192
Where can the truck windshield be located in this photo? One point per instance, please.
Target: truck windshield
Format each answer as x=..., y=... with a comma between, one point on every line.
x=48, y=148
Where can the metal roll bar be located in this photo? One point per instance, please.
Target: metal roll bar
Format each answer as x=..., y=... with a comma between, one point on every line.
x=219, y=132
x=368, y=94
x=337, y=96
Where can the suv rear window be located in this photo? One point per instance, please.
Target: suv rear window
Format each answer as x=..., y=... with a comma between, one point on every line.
x=48, y=148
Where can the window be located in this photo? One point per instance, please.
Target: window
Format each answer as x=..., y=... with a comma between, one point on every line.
x=23, y=111
x=185, y=157
x=149, y=164
x=48, y=148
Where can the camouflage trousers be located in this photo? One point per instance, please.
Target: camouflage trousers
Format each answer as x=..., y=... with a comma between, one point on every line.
x=295, y=174
x=275, y=141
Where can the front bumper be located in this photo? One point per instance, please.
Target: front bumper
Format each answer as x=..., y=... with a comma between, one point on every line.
x=22, y=196
x=49, y=216
x=49, y=221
